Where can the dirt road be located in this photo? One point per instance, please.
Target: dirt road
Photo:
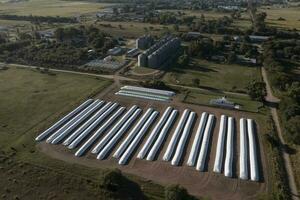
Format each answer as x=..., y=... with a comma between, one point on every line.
x=271, y=98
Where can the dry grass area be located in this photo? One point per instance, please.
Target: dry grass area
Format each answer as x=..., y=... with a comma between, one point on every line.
x=130, y=29
x=50, y=8
x=290, y=15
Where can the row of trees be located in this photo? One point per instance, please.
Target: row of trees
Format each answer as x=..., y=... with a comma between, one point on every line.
x=207, y=48
x=39, y=19
x=285, y=81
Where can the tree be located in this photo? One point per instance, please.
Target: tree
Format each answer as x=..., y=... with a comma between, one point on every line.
x=176, y=192
x=183, y=60
x=259, y=24
x=231, y=58
x=196, y=82
x=115, y=10
x=291, y=111
x=24, y=36
x=3, y=38
x=59, y=34
x=294, y=91
x=257, y=90
x=176, y=27
x=280, y=80
x=293, y=129
x=112, y=180
x=202, y=18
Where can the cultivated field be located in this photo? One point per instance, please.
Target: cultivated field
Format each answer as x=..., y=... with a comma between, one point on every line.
x=231, y=77
x=198, y=183
x=50, y=8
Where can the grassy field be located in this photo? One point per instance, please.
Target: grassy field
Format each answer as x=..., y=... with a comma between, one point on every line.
x=225, y=77
x=50, y=8
x=207, y=14
x=290, y=15
x=203, y=98
x=130, y=29
x=31, y=102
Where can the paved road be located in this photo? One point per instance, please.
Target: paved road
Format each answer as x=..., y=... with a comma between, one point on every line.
x=286, y=157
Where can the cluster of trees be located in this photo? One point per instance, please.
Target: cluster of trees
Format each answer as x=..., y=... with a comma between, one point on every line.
x=12, y=46
x=277, y=58
x=50, y=55
x=176, y=192
x=69, y=49
x=40, y=19
x=114, y=181
x=219, y=26
x=258, y=22
x=3, y=38
x=169, y=18
x=283, y=79
x=207, y=48
x=257, y=90
x=85, y=36
x=203, y=47
x=286, y=49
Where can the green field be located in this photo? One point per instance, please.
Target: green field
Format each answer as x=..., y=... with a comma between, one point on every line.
x=227, y=77
x=203, y=98
x=31, y=101
x=50, y=8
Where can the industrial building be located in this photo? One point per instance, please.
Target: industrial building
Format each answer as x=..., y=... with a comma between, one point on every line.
x=158, y=54
x=146, y=93
x=144, y=42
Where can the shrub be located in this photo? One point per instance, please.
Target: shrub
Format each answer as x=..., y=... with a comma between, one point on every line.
x=176, y=192
x=112, y=180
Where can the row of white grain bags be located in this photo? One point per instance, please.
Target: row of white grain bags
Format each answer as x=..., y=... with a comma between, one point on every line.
x=227, y=126
x=179, y=138
x=198, y=154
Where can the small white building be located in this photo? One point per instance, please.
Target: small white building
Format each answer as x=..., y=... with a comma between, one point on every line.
x=223, y=102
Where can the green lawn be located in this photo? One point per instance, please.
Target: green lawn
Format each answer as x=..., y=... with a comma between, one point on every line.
x=32, y=97
x=203, y=98
x=227, y=77
x=31, y=101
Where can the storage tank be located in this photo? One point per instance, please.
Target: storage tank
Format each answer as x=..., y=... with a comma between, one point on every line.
x=142, y=60
x=153, y=60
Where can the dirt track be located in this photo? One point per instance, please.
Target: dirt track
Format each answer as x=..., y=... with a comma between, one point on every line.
x=286, y=157
x=207, y=183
